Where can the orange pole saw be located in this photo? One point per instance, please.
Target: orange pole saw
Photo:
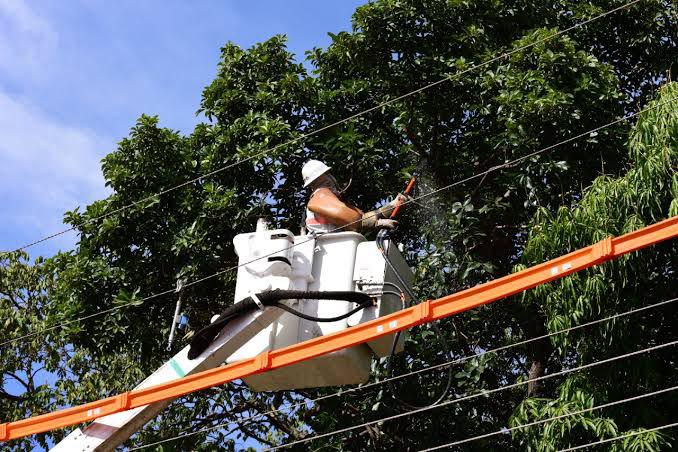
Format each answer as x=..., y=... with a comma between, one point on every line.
x=415, y=173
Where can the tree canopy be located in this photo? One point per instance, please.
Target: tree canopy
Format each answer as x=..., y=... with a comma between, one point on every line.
x=263, y=97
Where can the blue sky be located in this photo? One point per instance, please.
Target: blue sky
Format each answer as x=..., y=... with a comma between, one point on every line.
x=75, y=75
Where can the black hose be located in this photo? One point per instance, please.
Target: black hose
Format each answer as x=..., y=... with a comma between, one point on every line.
x=284, y=307
x=389, y=372
x=205, y=336
x=381, y=237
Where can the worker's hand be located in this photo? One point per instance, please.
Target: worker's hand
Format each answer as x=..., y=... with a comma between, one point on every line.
x=371, y=220
x=388, y=209
x=403, y=199
x=386, y=223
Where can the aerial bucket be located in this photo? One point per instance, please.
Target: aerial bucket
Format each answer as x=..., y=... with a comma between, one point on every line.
x=342, y=261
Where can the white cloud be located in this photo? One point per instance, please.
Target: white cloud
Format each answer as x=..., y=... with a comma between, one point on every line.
x=27, y=41
x=46, y=168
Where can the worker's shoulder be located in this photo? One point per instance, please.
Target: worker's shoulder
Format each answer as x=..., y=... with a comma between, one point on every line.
x=323, y=192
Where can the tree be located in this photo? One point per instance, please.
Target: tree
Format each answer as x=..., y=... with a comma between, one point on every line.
x=612, y=206
x=24, y=300
x=262, y=98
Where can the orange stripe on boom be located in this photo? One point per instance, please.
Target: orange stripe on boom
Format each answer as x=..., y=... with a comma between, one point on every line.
x=427, y=311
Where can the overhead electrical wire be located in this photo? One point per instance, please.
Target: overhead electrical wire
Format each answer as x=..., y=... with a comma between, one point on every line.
x=595, y=255
x=372, y=385
x=413, y=200
x=620, y=437
x=483, y=393
x=554, y=418
x=383, y=236
x=311, y=237
x=329, y=126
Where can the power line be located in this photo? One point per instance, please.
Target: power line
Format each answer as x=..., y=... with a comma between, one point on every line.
x=617, y=438
x=429, y=194
x=87, y=317
x=334, y=124
x=484, y=393
x=401, y=376
x=426, y=195
x=497, y=167
x=554, y=418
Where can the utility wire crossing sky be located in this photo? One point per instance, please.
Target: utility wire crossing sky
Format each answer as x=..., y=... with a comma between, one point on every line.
x=75, y=76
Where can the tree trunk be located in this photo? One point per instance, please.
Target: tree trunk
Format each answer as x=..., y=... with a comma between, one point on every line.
x=538, y=352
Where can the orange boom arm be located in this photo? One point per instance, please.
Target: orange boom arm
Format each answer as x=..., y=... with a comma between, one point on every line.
x=427, y=311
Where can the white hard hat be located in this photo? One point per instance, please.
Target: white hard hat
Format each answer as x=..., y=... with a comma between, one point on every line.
x=312, y=170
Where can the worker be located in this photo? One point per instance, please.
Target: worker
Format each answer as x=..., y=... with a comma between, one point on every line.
x=326, y=212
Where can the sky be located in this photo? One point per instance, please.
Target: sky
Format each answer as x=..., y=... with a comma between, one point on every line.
x=75, y=76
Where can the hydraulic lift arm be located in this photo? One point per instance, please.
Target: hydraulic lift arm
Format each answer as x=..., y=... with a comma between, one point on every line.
x=426, y=311
x=107, y=432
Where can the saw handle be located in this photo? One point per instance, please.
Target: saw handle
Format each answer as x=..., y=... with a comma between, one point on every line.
x=407, y=191
x=410, y=185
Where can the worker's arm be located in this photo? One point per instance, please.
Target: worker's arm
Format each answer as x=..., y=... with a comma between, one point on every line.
x=324, y=202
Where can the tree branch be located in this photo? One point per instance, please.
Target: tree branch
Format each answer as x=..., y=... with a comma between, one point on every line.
x=19, y=380
x=13, y=398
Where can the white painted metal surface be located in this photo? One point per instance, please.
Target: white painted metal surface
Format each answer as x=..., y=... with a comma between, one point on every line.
x=341, y=261
x=287, y=264
x=372, y=275
x=323, y=264
x=108, y=432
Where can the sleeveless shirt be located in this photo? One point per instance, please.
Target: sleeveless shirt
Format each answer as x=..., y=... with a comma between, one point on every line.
x=316, y=222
